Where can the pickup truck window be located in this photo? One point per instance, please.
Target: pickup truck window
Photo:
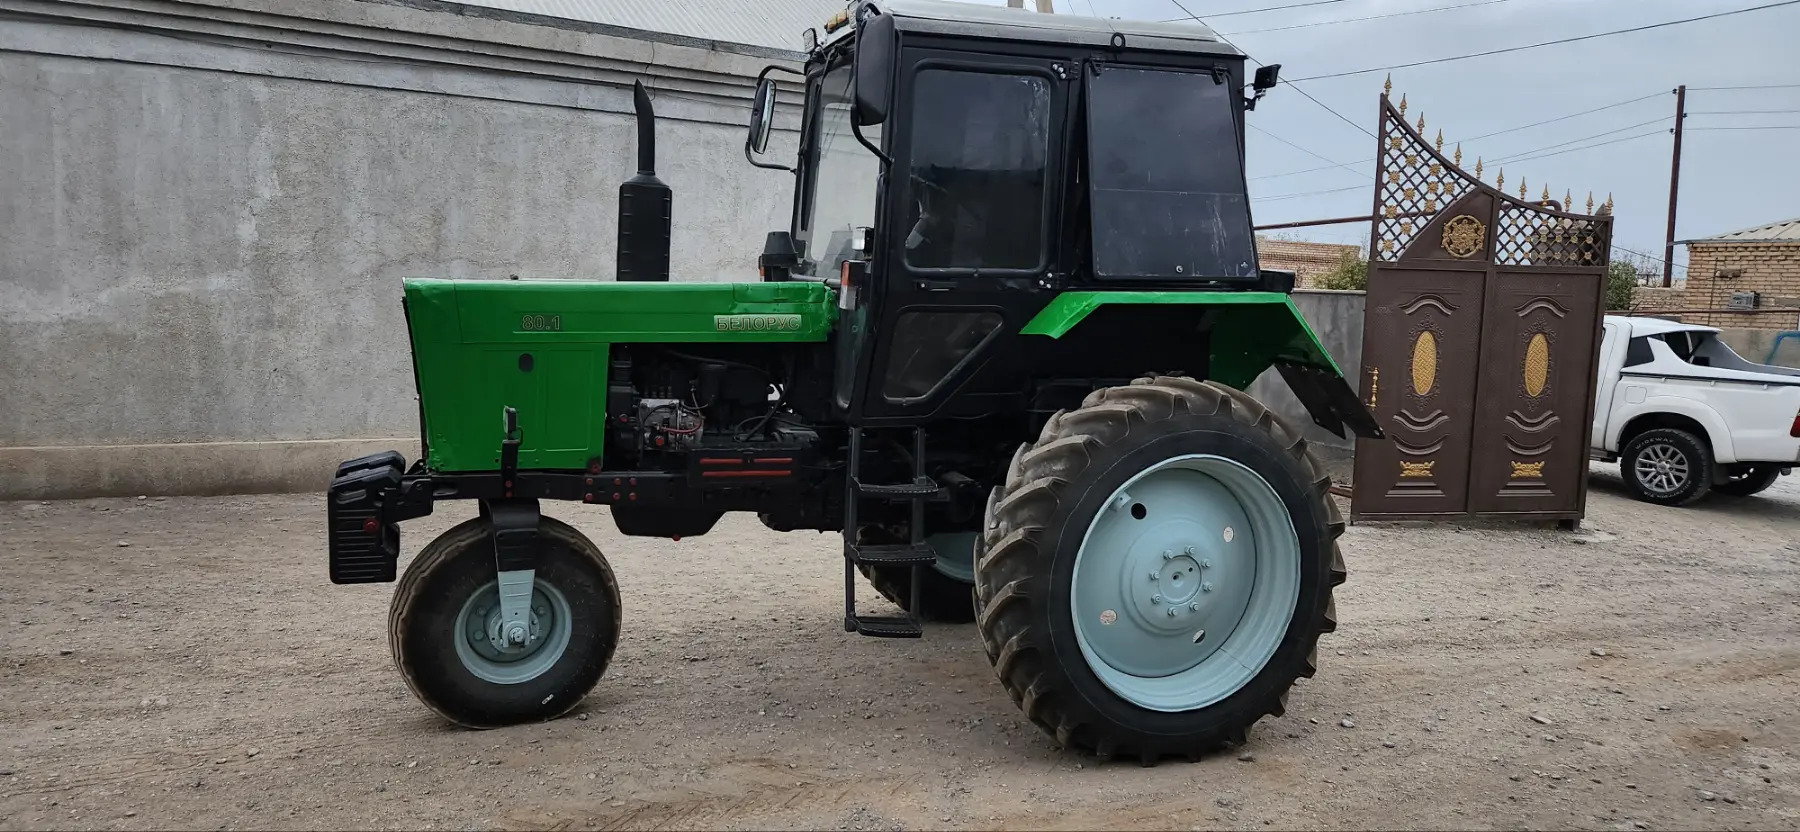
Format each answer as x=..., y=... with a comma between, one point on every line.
x=1638, y=351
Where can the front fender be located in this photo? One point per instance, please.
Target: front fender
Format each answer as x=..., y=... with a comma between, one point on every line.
x=1251, y=332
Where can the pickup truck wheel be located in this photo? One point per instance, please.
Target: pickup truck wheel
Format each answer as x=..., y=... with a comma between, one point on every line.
x=446, y=610
x=1752, y=481
x=1667, y=466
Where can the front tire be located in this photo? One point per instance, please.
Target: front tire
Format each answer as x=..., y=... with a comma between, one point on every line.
x=1753, y=481
x=1137, y=536
x=447, y=602
x=1667, y=466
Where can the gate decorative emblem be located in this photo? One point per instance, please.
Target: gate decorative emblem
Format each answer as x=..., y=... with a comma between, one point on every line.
x=1537, y=365
x=1464, y=236
x=1490, y=305
x=1424, y=363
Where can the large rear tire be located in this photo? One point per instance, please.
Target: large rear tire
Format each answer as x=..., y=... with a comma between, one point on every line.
x=446, y=606
x=1157, y=569
x=947, y=592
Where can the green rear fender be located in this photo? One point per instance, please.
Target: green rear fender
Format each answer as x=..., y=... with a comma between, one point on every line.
x=1251, y=332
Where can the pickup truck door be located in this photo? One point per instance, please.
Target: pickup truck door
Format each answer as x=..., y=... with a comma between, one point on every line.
x=1612, y=346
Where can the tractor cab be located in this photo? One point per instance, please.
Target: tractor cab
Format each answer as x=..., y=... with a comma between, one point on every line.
x=961, y=166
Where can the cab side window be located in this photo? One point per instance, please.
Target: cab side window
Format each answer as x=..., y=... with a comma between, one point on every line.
x=980, y=146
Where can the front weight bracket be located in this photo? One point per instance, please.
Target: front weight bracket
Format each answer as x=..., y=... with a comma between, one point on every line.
x=514, y=524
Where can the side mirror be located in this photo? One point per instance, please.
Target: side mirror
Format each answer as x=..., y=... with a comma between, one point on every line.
x=762, y=116
x=1267, y=77
x=875, y=44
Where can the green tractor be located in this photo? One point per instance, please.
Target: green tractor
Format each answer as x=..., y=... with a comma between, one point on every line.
x=1001, y=349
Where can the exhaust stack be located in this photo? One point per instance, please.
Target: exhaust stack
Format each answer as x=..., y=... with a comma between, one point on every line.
x=644, y=205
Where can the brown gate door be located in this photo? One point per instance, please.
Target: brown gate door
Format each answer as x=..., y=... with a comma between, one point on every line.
x=1420, y=345
x=1479, y=341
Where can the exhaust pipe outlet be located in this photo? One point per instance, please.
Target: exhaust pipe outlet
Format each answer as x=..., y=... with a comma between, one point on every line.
x=644, y=205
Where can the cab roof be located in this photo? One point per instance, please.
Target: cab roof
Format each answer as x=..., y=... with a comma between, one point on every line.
x=1005, y=23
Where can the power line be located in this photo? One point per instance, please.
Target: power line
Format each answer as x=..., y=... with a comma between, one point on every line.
x=1647, y=257
x=1512, y=156
x=1764, y=127
x=1247, y=56
x=1563, y=118
x=1556, y=42
x=1749, y=87
x=1482, y=136
x=1291, y=144
x=1361, y=19
x=1738, y=112
x=1273, y=197
x=1586, y=147
x=1192, y=16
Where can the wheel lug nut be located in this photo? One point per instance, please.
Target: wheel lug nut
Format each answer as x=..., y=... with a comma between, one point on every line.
x=1206, y=587
x=1190, y=550
x=1194, y=607
x=1206, y=564
x=1171, y=612
x=1154, y=576
x=1168, y=555
x=1156, y=599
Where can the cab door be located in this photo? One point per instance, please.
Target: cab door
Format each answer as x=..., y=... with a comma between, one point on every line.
x=964, y=256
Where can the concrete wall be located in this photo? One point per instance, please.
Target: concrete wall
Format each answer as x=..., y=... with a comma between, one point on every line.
x=208, y=208
x=1337, y=318
x=207, y=212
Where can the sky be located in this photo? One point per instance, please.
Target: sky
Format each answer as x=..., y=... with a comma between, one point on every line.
x=1730, y=178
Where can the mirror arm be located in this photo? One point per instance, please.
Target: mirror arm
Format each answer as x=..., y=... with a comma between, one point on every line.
x=751, y=158
x=856, y=127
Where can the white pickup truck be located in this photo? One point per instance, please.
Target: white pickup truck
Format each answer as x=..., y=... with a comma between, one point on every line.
x=1683, y=414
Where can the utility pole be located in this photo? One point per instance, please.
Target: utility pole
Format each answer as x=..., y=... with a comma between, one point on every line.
x=1674, y=186
x=1044, y=7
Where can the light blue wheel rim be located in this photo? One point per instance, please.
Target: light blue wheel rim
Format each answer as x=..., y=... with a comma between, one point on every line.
x=1203, y=536
x=955, y=555
x=547, y=635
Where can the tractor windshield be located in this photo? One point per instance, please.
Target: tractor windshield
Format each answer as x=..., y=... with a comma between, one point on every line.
x=839, y=190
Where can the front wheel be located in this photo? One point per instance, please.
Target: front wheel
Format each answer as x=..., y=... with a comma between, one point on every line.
x=444, y=628
x=1157, y=569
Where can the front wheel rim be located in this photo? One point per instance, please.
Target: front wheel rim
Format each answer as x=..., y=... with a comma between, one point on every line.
x=1186, y=583
x=549, y=631
x=955, y=555
x=1662, y=468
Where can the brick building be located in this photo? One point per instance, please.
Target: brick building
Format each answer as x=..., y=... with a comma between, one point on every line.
x=1306, y=260
x=1748, y=279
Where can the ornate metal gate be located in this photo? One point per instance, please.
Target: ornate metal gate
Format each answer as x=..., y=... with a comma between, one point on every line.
x=1479, y=340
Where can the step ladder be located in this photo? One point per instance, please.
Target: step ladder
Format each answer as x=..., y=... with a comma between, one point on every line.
x=914, y=553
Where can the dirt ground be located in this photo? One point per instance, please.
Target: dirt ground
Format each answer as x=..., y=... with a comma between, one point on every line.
x=184, y=662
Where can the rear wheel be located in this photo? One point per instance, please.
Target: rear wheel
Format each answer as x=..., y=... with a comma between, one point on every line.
x=1752, y=480
x=444, y=628
x=1667, y=466
x=947, y=591
x=1157, y=569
